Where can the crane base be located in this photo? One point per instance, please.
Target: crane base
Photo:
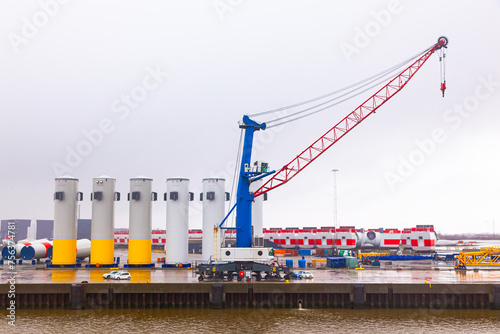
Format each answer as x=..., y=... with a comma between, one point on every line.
x=242, y=270
x=258, y=254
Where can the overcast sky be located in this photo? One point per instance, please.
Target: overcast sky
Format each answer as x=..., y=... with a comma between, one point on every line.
x=156, y=88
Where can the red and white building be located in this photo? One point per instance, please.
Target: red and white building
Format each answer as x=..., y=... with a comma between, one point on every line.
x=423, y=238
x=288, y=238
x=406, y=238
x=325, y=237
x=346, y=237
x=306, y=238
x=390, y=238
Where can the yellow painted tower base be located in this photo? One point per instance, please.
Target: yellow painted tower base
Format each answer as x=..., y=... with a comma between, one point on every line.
x=102, y=252
x=139, y=252
x=64, y=252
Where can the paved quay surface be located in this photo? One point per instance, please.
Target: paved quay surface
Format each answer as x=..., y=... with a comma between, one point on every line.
x=320, y=276
x=399, y=272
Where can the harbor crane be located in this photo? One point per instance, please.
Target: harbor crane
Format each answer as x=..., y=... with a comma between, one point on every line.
x=246, y=256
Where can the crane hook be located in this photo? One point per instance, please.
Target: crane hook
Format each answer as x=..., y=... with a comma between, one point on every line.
x=442, y=61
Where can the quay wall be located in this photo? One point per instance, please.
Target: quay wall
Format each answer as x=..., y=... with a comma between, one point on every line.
x=250, y=295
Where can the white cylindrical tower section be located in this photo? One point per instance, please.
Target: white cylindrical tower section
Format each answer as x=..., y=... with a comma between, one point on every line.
x=257, y=210
x=213, y=198
x=83, y=247
x=140, y=197
x=177, y=197
x=65, y=228
x=103, y=220
x=36, y=250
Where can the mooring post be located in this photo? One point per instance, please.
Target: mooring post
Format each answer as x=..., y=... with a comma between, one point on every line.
x=359, y=296
x=496, y=296
x=216, y=296
x=250, y=297
x=110, y=298
x=76, y=297
x=390, y=298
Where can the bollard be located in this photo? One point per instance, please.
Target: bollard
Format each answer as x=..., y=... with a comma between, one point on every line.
x=76, y=297
x=496, y=296
x=359, y=296
x=390, y=294
x=216, y=296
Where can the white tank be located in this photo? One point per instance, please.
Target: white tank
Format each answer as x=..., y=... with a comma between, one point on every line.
x=14, y=252
x=177, y=197
x=103, y=220
x=65, y=228
x=213, y=198
x=36, y=250
x=257, y=210
x=139, y=238
x=83, y=248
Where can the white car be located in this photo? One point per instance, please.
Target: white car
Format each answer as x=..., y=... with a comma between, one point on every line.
x=307, y=274
x=110, y=274
x=121, y=275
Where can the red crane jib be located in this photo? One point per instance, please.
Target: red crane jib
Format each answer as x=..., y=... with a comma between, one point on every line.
x=349, y=122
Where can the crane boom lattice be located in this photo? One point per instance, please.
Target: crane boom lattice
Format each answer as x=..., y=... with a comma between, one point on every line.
x=348, y=123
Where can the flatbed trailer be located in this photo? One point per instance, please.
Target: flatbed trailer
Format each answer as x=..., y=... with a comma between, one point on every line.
x=240, y=269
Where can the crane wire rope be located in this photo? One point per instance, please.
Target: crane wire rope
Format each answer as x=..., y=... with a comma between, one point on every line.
x=361, y=84
x=238, y=161
x=331, y=100
x=376, y=84
x=324, y=108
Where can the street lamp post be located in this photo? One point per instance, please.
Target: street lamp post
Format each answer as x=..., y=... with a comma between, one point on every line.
x=335, y=197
